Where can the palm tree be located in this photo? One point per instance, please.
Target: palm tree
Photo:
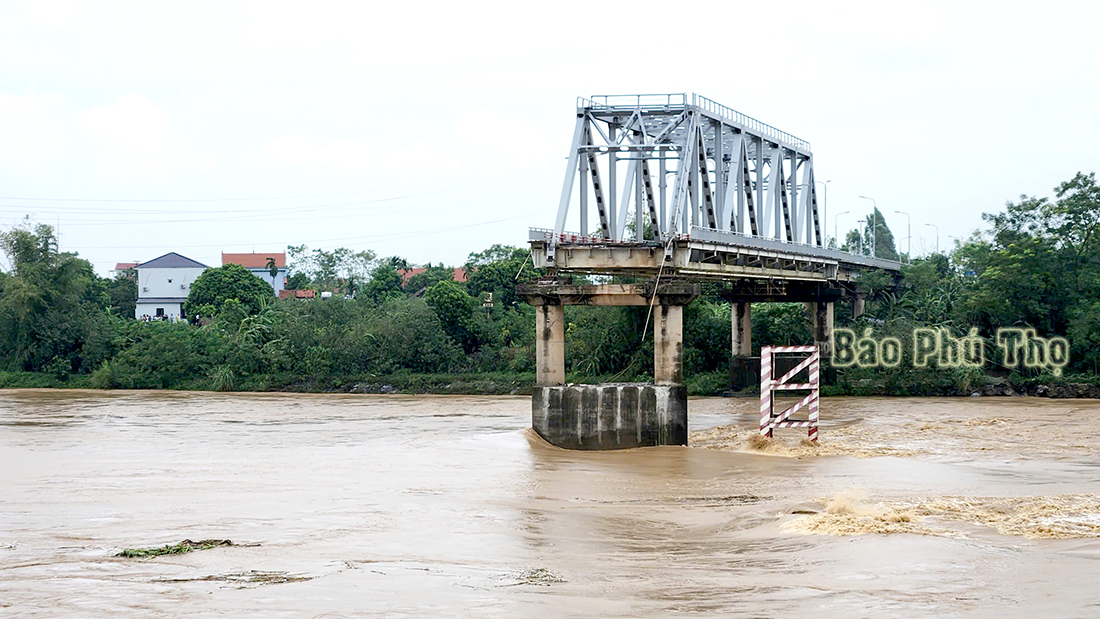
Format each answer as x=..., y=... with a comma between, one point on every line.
x=271, y=268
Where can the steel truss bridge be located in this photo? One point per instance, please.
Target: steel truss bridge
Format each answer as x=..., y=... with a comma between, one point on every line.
x=681, y=185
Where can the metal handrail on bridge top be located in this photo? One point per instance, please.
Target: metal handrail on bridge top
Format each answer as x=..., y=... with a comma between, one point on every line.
x=645, y=102
x=680, y=99
x=808, y=248
x=747, y=121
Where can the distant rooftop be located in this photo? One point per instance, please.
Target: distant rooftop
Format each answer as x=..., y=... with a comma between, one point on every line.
x=171, y=260
x=304, y=293
x=254, y=260
x=459, y=273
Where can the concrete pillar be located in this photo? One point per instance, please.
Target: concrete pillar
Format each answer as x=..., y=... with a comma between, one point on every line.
x=858, y=304
x=741, y=328
x=550, y=344
x=822, y=313
x=668, y=344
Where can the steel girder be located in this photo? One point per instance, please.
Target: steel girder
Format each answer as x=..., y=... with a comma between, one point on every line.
x=730, y=173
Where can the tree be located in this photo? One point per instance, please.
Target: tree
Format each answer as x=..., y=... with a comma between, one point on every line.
x=122, y=291
x=272, y=269
x=52, y=306
x=498, y=270
x=428, y=278
x=385, y=282
x=453, y=307
x=327, y=270
x=876, y=236
x=232, y=281
x=297, y=281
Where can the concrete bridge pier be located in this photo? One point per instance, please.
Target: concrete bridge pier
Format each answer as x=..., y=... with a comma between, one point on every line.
x=550, y=344
x=668, y=344
x=859, y=305
x=611, y=415
x=821, y=325
x=744, y=368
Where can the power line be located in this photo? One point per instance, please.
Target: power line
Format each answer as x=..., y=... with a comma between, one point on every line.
x=476, y=180
x=381, y=237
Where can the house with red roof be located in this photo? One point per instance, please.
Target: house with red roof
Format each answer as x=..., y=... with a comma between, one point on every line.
x=259, y=265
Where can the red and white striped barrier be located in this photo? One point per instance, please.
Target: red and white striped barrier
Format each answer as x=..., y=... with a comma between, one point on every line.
x=769, y=420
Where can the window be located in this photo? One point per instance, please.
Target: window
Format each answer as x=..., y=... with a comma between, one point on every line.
x=160, y=312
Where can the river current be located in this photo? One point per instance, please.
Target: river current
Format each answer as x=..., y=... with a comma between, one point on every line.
x=425, y=506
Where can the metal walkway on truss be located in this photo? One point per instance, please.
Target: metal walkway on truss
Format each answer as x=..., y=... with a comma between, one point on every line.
x=680, y=183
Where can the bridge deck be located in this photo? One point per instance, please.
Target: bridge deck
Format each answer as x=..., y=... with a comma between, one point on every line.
x=705, y=254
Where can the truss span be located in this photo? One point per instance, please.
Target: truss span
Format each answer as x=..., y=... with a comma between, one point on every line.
x=696, y=182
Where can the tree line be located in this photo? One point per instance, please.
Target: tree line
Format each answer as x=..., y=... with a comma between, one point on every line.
x=1038, y=265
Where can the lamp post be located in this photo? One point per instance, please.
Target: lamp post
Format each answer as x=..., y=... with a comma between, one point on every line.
x=836, y=238
x=825, y=205
x=908, y=239
x=937, y=236
x=859, y=226
x=874, y=226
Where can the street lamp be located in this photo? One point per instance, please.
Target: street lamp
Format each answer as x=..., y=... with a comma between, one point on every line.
x=825, y=203
x=874, y=226
x=836, y=238
x=908, y=239
x=937, y=236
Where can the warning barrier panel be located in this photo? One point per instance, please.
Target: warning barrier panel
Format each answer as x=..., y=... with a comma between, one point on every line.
x=769, y=419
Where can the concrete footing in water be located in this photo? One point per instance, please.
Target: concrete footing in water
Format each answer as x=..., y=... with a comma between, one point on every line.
x=610, y=416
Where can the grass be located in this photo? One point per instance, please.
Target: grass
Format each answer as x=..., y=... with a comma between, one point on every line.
x=181, y=548
x=39, y=380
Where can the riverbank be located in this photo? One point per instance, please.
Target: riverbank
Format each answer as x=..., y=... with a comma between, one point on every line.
x=506, y=383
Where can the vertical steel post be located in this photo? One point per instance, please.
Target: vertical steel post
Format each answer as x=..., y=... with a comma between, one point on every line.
x=612, y=181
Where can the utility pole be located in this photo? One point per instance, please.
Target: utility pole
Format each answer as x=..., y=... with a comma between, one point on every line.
x=874, y=226
x=909, y=238
x=836, y=237
x=937, y=236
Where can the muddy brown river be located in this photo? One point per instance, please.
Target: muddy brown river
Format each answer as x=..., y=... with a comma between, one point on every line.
x=421, y=506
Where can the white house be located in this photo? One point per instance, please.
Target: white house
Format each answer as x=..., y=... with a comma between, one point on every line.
x=257, y=264
x=164, y=283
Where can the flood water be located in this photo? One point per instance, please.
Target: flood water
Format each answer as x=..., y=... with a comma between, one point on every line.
x=418, y=506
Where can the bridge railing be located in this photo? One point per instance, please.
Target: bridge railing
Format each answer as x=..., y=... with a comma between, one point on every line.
x=669, y=101
x=747, y=121
x=646, y=102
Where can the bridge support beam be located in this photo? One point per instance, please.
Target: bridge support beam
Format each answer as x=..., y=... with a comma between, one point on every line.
x=614, y=415
x=668, y=344
x=821, y=320
x=741, y=329
x=744, y=368
x=550, y=345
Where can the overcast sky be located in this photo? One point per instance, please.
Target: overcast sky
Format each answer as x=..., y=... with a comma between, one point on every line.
x=432, y=130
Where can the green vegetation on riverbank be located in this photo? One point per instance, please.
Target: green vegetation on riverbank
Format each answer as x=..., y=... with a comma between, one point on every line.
x=386, y=332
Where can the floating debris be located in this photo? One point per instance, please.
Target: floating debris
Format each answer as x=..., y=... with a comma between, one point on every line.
x=181, y=548
x=537, y=576
x=246, y=579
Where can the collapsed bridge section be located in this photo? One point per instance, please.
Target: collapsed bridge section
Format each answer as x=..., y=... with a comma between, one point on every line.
x=672, y=190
